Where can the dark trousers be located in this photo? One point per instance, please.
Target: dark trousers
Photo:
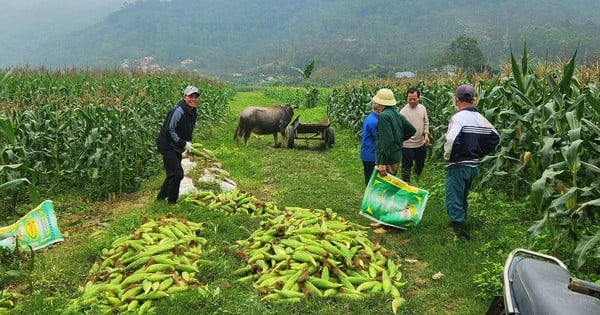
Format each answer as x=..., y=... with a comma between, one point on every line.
x=170, y=187
x=368, y=167
x=412, y=156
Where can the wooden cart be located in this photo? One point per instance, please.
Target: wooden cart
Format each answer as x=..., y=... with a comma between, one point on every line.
x=310, y=131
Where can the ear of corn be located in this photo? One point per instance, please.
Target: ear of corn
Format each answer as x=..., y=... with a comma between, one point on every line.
x=154, y=270
x=309, y=257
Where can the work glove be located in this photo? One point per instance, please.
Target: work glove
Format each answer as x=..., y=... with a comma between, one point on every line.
x=188, y=146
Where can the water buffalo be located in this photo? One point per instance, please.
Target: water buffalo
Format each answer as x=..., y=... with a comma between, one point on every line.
x=264, y=121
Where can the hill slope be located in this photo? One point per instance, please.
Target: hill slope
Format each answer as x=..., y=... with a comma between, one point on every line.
x=269, y=36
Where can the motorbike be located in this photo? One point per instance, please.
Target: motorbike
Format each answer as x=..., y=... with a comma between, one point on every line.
x=540, y=284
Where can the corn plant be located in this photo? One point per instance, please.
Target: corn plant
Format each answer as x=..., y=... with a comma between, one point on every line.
x=14, y=176
x=549, y=146
x=438, y=100
x=94, y=132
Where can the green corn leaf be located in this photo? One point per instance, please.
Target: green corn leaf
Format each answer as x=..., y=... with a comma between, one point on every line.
x=14, y=183
x=560, y=202
x=565, y=82
x=6, y=75
x=547, y=152
x=524, y=59
x=539, y=189
x=594, y=103
x=585, y=248
x=536, y=228
x=573, y=119
x=34, y=194
x=579, y=107
x=574, y=134
x=571, y=155
x=591, y=203
x=530, y=104
x=12, y=167
x=552, y=85
x=549, y=109
x=516, y=73
x=8, y=129
x=562, y=165
x=590, y=167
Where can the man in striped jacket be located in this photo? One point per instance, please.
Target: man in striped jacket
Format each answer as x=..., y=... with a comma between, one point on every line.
x=470, y=137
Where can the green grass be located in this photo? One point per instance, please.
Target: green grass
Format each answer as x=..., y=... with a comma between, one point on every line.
x=309, y=176
x=312, y=177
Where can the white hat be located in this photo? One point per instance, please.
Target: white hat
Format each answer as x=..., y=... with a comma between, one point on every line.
x=190, y=90
x=385, y=97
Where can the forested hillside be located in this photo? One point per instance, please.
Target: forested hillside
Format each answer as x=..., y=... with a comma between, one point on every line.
x=220, y=38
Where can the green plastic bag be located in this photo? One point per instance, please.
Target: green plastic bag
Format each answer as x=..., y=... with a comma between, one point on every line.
x=391, y=201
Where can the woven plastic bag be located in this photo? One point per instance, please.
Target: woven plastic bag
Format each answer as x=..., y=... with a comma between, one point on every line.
x=37, y=229
x=393, y=202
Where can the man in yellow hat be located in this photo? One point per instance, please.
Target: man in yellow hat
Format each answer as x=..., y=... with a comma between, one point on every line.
x=392, y=130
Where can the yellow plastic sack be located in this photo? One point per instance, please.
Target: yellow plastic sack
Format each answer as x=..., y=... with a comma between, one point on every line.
x=38, y=229
x=393, y=202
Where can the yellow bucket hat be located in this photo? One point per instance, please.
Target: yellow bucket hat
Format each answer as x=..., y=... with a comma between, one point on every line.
x=384, y=97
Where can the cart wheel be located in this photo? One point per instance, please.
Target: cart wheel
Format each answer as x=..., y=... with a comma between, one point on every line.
x=329, y=137
x=289, y=136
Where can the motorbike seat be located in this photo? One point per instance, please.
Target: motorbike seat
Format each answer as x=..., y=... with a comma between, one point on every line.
x=541, y=288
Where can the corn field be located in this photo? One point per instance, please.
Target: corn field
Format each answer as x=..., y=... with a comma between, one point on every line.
x=549, y=149
x=92, y=133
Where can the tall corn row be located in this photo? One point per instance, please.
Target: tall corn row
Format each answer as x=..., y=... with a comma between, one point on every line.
x=549, y=145
x=349, y=105
x=13, y=175
x=94, y=132
x=549, y=140
x=438, y=99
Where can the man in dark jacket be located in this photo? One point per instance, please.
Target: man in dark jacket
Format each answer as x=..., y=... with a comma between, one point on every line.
x=470, y=137
x=174, y=138
x=392, y=130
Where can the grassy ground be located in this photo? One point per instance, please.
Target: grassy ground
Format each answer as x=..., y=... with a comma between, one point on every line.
x=444, y=274
x=309, y=176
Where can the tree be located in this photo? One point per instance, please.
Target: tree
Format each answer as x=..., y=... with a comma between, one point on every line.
x=312, y=94
x=465, y=53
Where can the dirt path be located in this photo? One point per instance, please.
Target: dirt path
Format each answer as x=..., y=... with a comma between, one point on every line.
x=77, y=226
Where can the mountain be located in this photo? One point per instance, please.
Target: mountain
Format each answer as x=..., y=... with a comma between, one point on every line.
x=268, y=37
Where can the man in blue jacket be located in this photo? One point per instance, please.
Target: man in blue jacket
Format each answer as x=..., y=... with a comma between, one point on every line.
x=470, y=137
x=174, y=138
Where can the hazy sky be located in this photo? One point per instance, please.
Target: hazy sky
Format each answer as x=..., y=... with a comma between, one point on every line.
x=16, y=13
x=25, y=23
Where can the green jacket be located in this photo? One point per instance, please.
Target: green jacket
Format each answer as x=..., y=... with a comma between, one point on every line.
x=392, y=130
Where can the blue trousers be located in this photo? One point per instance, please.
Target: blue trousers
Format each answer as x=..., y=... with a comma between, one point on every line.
x=458, y=183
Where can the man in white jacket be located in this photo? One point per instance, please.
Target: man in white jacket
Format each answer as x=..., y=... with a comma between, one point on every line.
x=470, y=137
